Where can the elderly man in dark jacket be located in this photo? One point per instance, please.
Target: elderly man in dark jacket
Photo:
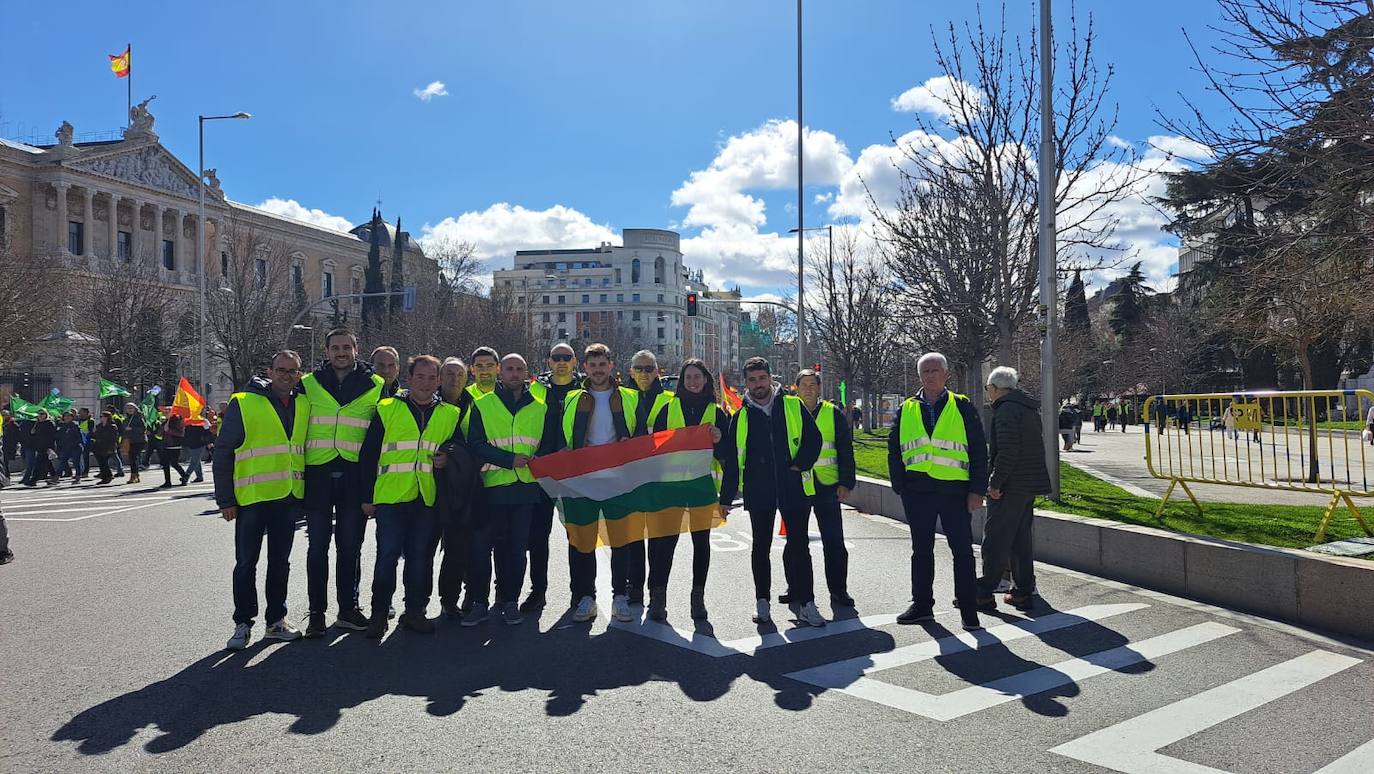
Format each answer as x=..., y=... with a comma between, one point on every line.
x=1017, y=454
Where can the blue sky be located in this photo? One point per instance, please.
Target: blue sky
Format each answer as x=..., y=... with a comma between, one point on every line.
x=562, y=122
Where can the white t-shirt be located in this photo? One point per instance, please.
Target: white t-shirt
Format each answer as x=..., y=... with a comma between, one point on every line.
x=601, y=424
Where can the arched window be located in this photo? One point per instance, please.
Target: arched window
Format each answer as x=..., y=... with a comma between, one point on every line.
x=634, y=272
x=658, y=270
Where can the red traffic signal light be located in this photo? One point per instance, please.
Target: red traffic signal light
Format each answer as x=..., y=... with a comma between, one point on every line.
x=691, y=304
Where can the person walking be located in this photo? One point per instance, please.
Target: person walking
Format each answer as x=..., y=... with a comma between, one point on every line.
x=9, y=440
x=1112, y=411
x=775, y=442
x=1183, y=417
x=169, y=450
x=259, y=475
x=104, y=444
x=69, y=446
x=1099, y=416
x=343, y=393
x=397, y=463
x=834, y=478
x=552, y=387
x=196, y=439
x=1016, y=457
x=41, y=442
x=595, y=414
x=937, y=462
x=86, y=423
x=508, y=427
x=134, y=433
x=693, y=403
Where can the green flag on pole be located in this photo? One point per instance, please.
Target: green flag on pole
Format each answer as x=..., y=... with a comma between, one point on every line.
x=55, y=403
x=149, y=407
x=109, y=389
x=844, y=399
x=22, y=409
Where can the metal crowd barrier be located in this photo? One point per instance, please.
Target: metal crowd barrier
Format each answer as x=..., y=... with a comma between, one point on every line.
x=1299, y=441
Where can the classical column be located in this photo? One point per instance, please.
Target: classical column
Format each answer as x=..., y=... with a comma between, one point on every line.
x=61, y=238
x=135, y=227
x=112, y=224
x=88, y=224
x=158, y=227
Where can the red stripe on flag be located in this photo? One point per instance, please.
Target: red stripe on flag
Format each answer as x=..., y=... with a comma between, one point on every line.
x=575, y=462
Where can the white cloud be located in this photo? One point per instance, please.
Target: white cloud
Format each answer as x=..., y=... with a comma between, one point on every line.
x=501, y=229
x=1171, y=147
x=293, y=209
x=761, y=159
x=940, y=97
x=434, y=89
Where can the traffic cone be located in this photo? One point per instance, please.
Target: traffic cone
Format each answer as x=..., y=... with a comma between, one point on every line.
x=782, y=528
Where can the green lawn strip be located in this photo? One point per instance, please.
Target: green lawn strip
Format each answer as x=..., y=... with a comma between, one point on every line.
x=1288, y=526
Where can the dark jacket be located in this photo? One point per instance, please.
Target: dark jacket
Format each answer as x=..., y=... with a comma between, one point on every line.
x=42, y=435
x=583, y=415
x=1016, y=448
x=174, y=432
x=370, y=455
x=197, y=435
x=68, y=437
x=908, y=480
x=844, y=451
x=458, y=485
x=135, y=429
x=769, y=479
x=646, y=402
x=559, y=392
x=519, y=493
x=231, y=437
x=104, y=439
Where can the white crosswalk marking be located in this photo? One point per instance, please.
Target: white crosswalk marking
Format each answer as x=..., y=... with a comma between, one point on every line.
x=1130, y=746
x=842, y=674
x=63, y=503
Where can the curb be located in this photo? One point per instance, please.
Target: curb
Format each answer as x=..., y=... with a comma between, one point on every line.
x=1335, y=594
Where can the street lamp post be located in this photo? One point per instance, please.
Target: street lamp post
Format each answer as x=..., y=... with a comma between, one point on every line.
x=1049, y=294
x=801, y=203
x=204, y=376
x=799, y=230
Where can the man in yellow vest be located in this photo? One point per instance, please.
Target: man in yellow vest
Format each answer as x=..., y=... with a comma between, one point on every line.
x=937, y=460
x=552, y=387
x=507, y=428
x=644, y=377
x=776, y=442
x=599, y=413
x=456, y=537
x=343, y=394
x=486, y=368
x=834, y=478
x=396, y=464
x=259, y=468
x=386, y=363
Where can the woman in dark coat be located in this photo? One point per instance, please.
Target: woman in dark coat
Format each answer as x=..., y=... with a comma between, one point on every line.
x=104, y=444
x=169, y=451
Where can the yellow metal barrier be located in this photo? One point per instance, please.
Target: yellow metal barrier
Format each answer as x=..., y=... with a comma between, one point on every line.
x=1299, y=441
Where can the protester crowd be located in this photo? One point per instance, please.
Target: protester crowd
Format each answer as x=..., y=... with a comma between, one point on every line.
x=443, y=465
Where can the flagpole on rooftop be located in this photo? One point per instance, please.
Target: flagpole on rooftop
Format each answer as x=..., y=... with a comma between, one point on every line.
x=129, y=99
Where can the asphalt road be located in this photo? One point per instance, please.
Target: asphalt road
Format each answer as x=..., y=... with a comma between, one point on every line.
x=117, y=607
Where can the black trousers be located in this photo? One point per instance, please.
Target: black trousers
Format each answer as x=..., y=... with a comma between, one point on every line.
x=796, y=560
x=922, y=510
x=541, y=528
x=457, y=541
x=1008, y=539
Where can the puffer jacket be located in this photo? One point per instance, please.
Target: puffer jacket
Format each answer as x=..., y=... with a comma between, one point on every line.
x=1017, y=448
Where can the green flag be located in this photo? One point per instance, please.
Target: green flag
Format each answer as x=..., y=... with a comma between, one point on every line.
x=109, y=389
x=22, y=409
x=844, y=400
x=55, y=403
x=150, y=412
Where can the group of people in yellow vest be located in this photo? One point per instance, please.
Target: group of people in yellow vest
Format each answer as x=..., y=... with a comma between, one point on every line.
x=445, y=462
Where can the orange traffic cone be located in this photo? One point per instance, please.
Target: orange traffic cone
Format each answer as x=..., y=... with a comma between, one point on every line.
x=782, y=528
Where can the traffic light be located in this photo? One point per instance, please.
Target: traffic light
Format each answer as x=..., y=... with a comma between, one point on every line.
x=691, y=304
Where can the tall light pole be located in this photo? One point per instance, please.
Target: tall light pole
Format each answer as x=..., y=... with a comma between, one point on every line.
x=801, y=204
x=799, y=230
x=1049, y=293
x=204, y=376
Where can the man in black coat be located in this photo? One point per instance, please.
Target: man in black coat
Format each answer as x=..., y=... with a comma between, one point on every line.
x=1017, y=454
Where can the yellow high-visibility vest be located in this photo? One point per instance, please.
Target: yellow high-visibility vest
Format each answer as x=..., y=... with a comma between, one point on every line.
x=629, y=400
x=942, y=455
x=268, y=465
x=337, y=431
x=517, y=433
x=827, y=467
x=405, y=469
x=792, y=408
x=708, y=417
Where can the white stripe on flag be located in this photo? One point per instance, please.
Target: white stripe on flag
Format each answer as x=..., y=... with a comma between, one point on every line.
x=612, y=482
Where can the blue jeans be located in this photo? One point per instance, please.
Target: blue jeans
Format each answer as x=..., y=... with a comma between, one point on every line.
x=502, y=540
x=922, y=509
x=404, y=530
x=195, y=456
x=341, y=517
x=69, y=461
x=277, y=521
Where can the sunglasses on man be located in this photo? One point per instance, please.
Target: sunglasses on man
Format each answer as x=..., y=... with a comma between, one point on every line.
x=561, y=357
x=645, y=369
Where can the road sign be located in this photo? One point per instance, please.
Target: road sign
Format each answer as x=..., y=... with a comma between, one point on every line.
x=408, y=300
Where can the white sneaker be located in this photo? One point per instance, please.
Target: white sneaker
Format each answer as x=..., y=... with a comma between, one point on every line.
x=282, y=630
x=240, y=639
x=761, y=614
x=586, y=610
x=810, y=616
x=620, y=608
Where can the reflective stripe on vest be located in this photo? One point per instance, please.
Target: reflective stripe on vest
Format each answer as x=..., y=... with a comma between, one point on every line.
x=338, y=431
x=268, y=465
x=676, y=420
x=827, y=467
x=405, y=468
x=792, y=408
x=516, y=433
x=629, y=401
x=942, y=455
x=476, y=392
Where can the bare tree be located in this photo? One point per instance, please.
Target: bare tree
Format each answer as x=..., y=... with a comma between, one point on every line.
x=251, y=307
x=962, y=236
x=26, y=311
x=126, y=309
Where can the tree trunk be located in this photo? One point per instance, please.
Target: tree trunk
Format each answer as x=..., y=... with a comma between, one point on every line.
x=1313, y=466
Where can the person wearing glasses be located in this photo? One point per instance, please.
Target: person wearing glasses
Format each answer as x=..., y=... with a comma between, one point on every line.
x=259, y=469
x=552, y=387
x=651, y=400
x=834, y=478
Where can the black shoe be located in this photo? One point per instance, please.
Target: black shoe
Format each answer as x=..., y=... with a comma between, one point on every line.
x=353, y=620
x=316, y=627
x=986, y=604
x=377, y=628
x=7, y=557
x=450, y=609
x=199, y=479
x=184, y=479
x=841, y=600
x=785, y=598
x=534, y=602
x=391, y=612
x=416, y=622
x=1022, y=603
x=969, y=619
x=466, y=606
x=916, y=614
x=658, y=604
x=167, y=485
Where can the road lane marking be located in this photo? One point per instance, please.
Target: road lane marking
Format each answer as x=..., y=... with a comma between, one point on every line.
x=841, y=674
x=1129, y=746
x=19, y=511
x=90, y=515
x=1358, y=761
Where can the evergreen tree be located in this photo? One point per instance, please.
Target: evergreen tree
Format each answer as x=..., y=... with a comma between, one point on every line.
x=1076, y=321
x=397, y=269
x=1128, y=312
x=372, y=277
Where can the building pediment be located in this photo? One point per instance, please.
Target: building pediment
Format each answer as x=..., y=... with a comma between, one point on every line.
x=150, y=166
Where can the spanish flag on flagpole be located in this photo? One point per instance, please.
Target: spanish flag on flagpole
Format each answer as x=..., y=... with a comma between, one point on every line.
x=120, y=63
x=188, y=403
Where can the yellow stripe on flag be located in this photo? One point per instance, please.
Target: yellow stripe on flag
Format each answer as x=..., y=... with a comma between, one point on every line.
x=119, y=64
